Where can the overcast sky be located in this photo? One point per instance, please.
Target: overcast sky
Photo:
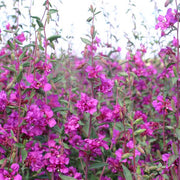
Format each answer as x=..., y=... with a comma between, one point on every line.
x=74, y=13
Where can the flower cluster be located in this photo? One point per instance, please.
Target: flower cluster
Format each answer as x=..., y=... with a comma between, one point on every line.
x=87, y=104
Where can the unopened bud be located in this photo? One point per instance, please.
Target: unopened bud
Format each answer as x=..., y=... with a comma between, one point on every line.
x=140, y=149
x=92, y=30
x=91, y=8
x=48, y=18
x=39, y=36
x=12, y=56
x=20, y=68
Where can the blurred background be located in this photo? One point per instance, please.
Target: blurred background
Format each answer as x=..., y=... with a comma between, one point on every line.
x=120, y=23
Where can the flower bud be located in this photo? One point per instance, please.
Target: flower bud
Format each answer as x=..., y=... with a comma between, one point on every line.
x=92, y=30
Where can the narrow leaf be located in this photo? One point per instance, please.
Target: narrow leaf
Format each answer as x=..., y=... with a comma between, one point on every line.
x=66, y=177
x=24, y=154
x=19, y=145
x=139, y=131
x=97, y=165
x=52, y=38
x=127, y=173
x=86, y=41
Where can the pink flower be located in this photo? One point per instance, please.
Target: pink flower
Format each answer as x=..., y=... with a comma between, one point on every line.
x=118, y=49
x=87, y=104
x=165, y=157
x=162, y=105
x=93, y=71
x=119, y=154
x=130, y=144
x=175, y=42
x=8, y=26
x=21, y=37
x=106, y=84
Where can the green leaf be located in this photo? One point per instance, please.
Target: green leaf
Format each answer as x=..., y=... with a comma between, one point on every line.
x=12, y=133
x=127, y=173
x=171, y=159
x=10, y=44
x=35, y=17
x=66, y=146
x=54, y=37
x=97, y=165
x=174, y=174
x=19, y=145
x=22, y=55
x=174, y=80
x=178, y=133
x=133, y=74
x=19, y=77
x=175, y=149
x=1, y=57
x=123, y=74
x=126, y=155
x=169, y=65
x=59, y=109
x=23, y=154
x=138, y=121
x=66, y=177
x=89, y=19
x=175, y=71
x=86, y=41
x=26, y=64
x=52, y=11
x=139, y=131
x=97, y=13
x=11, y=68
x=2, y=160
x=18, y=42
x=40, y=24
x=57, y=129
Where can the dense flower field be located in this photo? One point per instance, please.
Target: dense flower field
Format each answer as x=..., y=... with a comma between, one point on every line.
x=93, y=117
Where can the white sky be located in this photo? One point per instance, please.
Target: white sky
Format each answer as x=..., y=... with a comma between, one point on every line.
x=74, y=13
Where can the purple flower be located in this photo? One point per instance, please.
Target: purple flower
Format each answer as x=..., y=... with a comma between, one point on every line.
x=106, y=115
x=15, y=168
x=162, y=105
x=139, y=114
x=106, y=84
x=165, y=157
x=93, y=71
x=71, y=126
x=21, y=37
x=114, y=165
x=87, y=104
x=92, y=147
x=3, y=100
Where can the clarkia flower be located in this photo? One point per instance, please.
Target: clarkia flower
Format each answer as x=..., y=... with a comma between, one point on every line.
x=87, y=104
x=93, y=71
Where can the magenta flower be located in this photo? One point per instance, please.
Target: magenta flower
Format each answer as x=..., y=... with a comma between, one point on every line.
x=21, y=37
x=92, y=147
x=162, y=105
x=106, y=84
x=119, y=154
x=71, y=126
x=165, y=157
x=130, y=144
x=175, y=42
x=164, y=22
x=87, y=104
x=93, y=71
x=118, y=49
x=114, y=165
x=3, y=100
x=8, y=26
